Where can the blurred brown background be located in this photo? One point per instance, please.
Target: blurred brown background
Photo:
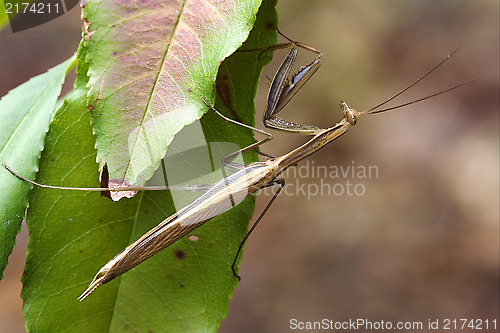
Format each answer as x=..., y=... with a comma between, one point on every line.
x=422, y=242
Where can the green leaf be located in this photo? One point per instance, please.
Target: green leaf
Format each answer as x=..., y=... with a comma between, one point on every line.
x=4, y=19
x=150, y=64
x=184, y=288
x=25, y=112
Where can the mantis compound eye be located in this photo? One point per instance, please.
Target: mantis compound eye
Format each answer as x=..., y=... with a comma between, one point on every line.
x=350, y=114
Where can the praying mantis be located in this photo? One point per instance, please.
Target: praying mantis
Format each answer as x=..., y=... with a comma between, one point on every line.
x=248, y=179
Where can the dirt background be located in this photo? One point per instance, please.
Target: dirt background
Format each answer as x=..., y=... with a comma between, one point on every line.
x=422, y=241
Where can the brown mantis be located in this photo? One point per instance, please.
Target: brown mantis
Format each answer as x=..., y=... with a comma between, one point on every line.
x=231, y=190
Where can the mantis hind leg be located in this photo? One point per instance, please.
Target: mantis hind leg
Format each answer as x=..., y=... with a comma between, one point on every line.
x=280, y=183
